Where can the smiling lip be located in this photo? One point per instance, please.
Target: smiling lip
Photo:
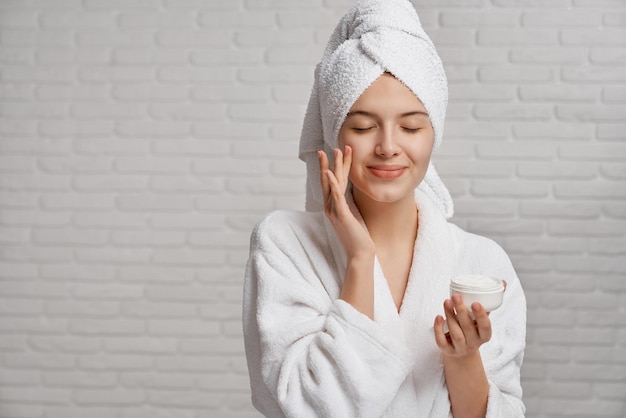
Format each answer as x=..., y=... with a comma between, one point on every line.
x=387, y=171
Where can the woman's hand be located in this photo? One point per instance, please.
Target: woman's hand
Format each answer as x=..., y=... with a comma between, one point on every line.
x=354, y=237
x=358, y=282
x=465, y=335
x=462, y=362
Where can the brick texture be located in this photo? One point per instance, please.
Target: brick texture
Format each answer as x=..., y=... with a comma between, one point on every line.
x=140, y=141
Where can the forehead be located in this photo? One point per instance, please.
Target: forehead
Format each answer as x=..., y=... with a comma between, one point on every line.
x=389, y=95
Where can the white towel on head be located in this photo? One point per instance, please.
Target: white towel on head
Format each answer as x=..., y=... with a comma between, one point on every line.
x=374, y=37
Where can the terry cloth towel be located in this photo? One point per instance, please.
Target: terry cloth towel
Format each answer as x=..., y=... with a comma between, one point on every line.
x=374, y=37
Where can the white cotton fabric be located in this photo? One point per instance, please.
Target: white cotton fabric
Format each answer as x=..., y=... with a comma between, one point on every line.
x=374, y=37
x=311, y=354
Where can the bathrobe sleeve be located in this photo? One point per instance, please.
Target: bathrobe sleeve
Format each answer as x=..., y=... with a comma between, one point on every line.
x=503, y=354
x=309, y=353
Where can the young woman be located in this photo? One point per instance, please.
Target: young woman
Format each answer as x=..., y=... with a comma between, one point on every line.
x=344, y=304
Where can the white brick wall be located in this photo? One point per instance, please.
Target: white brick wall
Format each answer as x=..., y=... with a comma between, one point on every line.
x=140, y=141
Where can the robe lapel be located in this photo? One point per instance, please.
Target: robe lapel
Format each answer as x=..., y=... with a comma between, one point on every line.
x=434, y=264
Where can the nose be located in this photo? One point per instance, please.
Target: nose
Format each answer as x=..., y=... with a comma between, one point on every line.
x=387, y=145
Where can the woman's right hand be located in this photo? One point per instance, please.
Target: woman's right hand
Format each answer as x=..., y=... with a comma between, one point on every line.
x=354, y=237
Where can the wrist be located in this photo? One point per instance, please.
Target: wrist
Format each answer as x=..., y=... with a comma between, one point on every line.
x=365, y=252
x=457, y=360
x=361, y=259
x=358, y=284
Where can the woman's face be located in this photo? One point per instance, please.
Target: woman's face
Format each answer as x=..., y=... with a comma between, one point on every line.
x=392, y=139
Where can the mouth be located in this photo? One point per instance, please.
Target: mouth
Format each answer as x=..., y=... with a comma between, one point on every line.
x=387, y=171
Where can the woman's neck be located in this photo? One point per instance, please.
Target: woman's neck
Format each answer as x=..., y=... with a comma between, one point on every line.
x=389, y=224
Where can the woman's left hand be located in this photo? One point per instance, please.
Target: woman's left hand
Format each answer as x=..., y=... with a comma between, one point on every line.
x=465, y=335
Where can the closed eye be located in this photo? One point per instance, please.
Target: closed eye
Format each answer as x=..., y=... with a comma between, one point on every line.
x=363, y=129
x=411, y=130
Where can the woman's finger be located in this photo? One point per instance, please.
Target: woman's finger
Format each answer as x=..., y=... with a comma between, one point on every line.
x=324, y=166
x=338, y=169
x=440, y=335
x=483, y=324
x=454, y=328
x=347, y=162
x=335, y=194
x=463, y=316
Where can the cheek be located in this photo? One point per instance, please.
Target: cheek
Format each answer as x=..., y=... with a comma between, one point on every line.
x=425, y=148
x=341, y=137
x=425, y=151
x=344, y=139
x=421, y=154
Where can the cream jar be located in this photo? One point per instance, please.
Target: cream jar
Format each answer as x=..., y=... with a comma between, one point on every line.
x=488, y=291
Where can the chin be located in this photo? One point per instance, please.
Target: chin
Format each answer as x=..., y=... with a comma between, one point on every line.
x=388, y=196
x=387, y=192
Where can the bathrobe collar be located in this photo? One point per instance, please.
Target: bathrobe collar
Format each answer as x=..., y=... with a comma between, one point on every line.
x=434, y=264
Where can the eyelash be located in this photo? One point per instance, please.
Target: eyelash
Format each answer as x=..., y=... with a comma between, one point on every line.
x=409, y=130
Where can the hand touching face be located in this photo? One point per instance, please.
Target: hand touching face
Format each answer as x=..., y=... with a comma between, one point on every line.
x=353, y=236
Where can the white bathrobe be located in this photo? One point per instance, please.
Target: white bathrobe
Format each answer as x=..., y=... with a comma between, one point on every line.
x=311, y=354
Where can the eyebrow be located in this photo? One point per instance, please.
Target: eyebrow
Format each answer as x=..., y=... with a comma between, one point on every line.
x=365, y=113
